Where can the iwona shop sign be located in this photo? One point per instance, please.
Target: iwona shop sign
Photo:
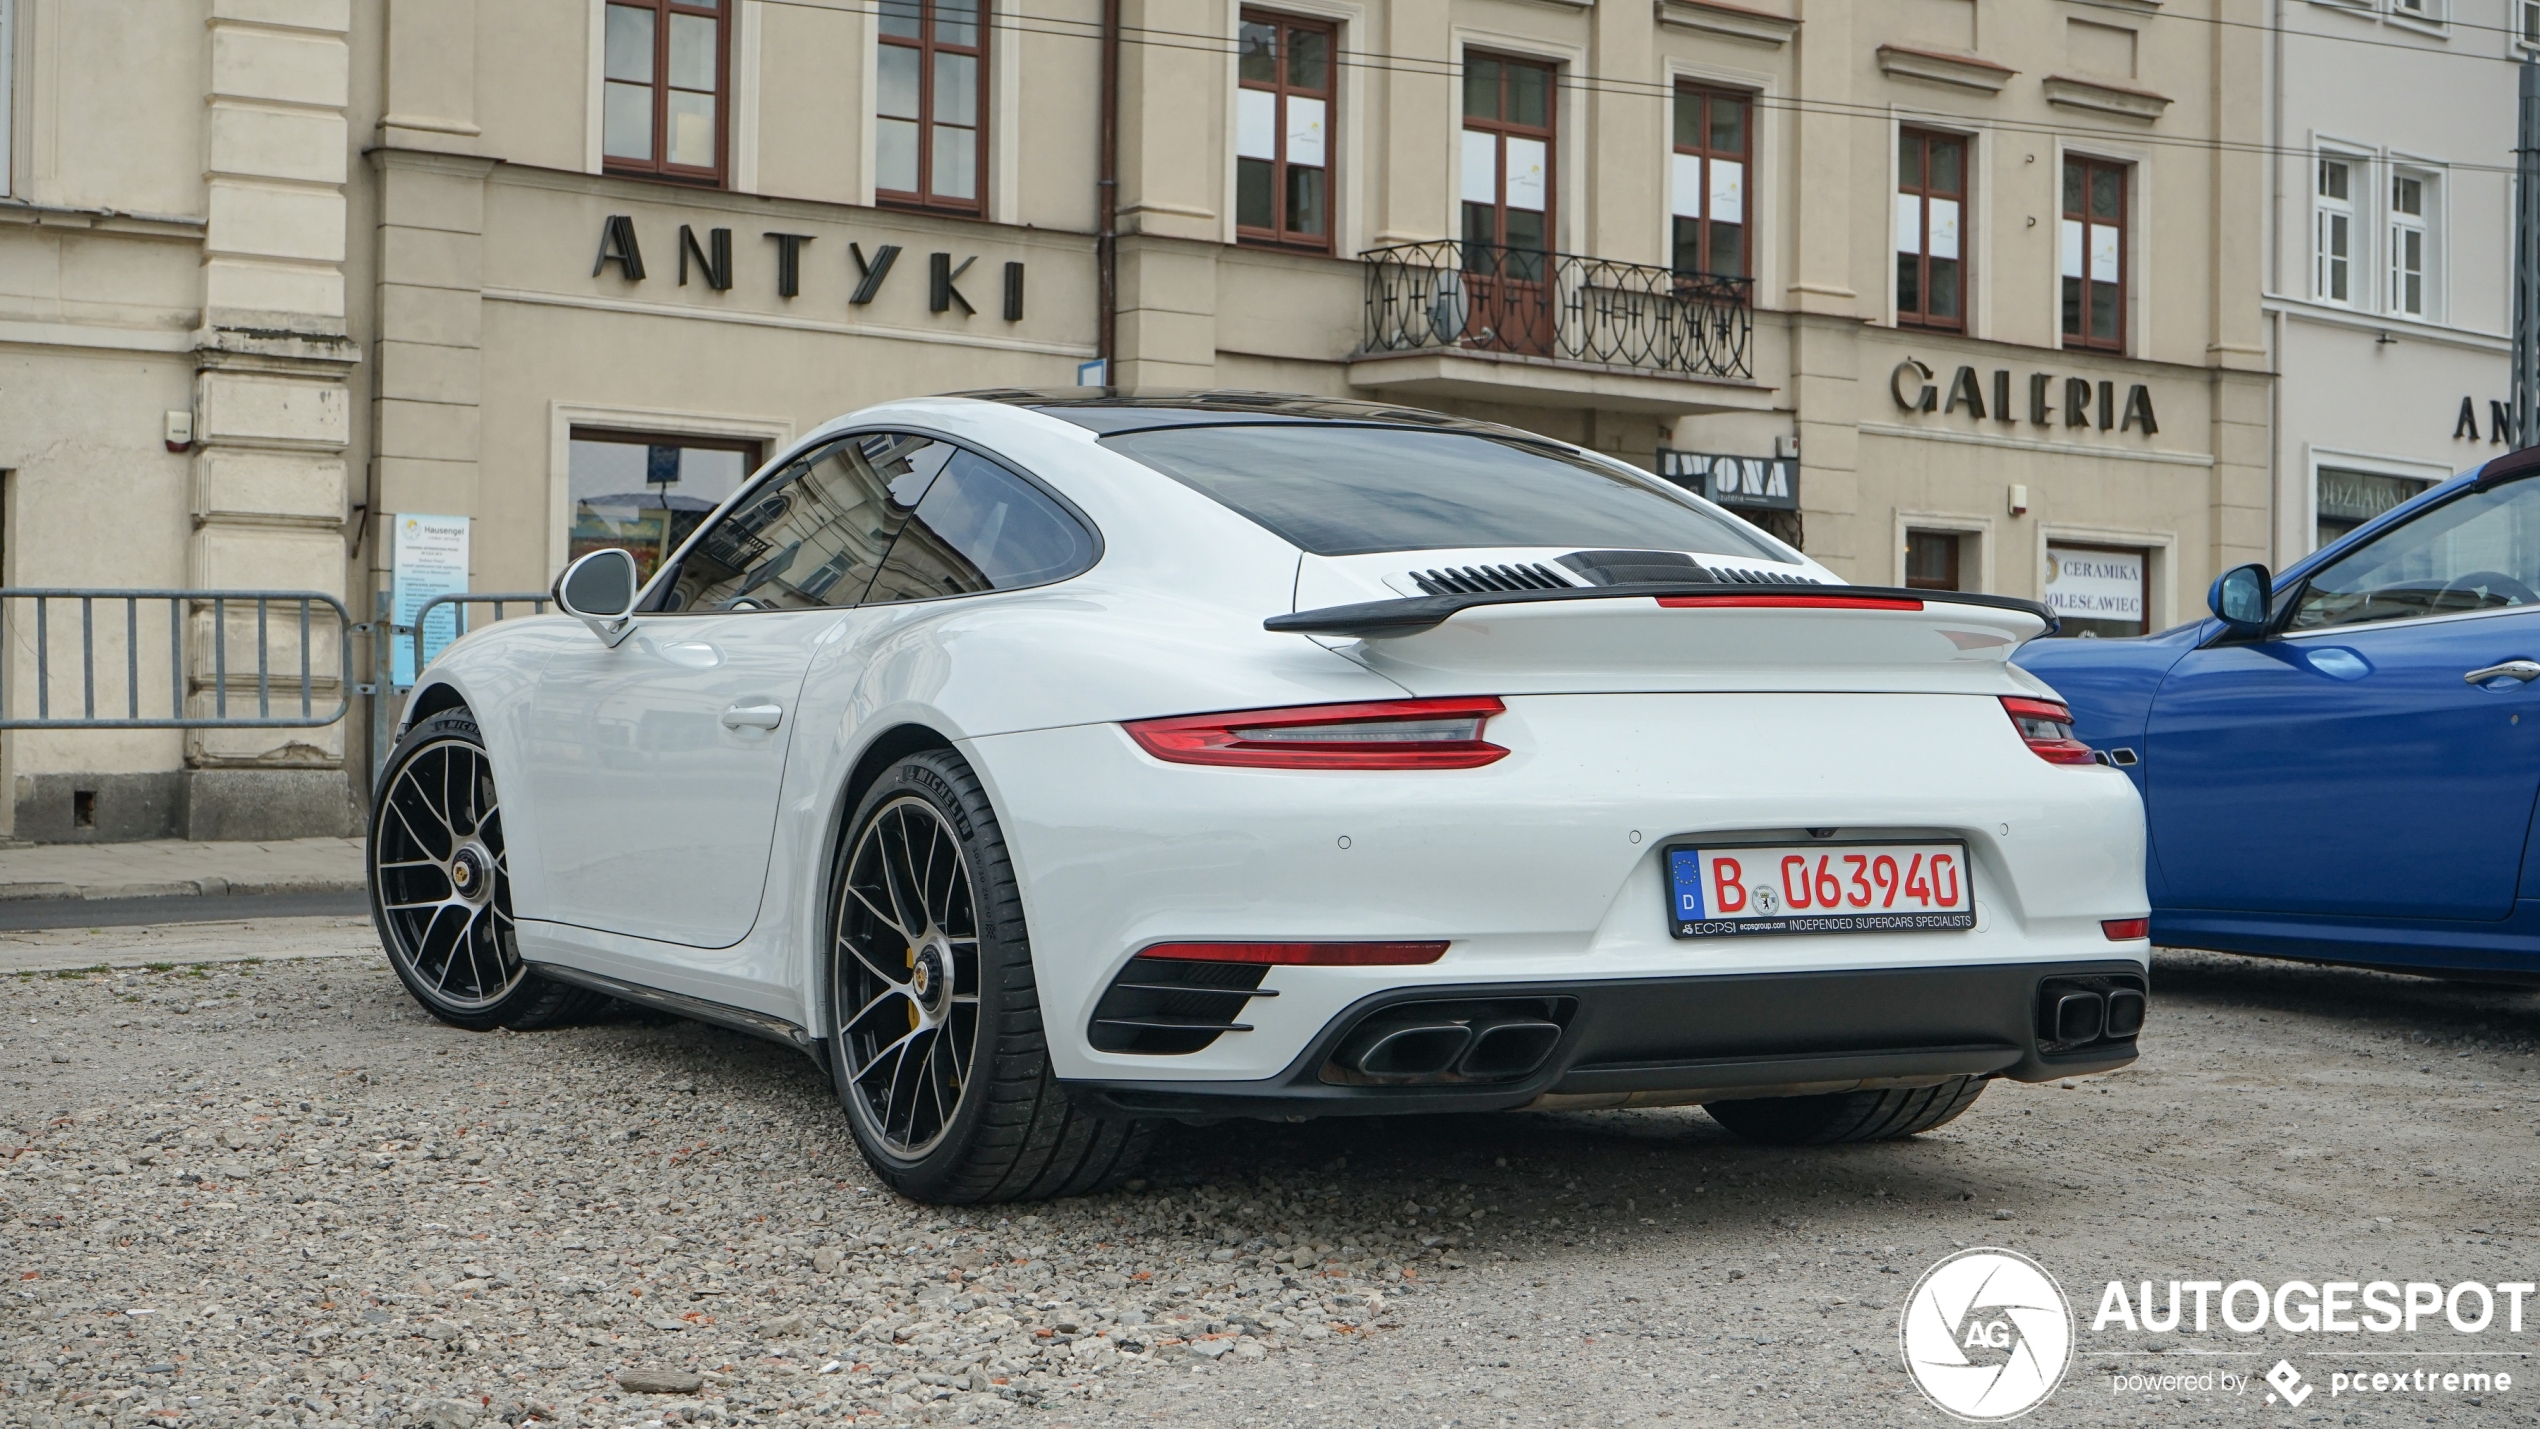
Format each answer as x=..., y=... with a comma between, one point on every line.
x=2048, y=401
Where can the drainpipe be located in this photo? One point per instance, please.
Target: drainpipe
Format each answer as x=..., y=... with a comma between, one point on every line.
x=1107, y=197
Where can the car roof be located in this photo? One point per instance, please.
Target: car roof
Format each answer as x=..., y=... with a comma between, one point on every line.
x=1111, y=411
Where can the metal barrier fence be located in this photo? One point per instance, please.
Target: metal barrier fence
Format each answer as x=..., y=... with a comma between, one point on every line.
x=458, y=602
x=195, y=697
x=1485, y=297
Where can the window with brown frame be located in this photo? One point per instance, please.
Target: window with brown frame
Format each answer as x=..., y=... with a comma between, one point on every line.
x=1931, y=206
x=666, y=74
x=931, y=137
x=2093, y=242
x=1283, y=108
x=1507, y=178
x=1932, y=560
x=1715, y=135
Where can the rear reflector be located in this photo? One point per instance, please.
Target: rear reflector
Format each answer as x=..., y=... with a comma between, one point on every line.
x=2126, y=930
x=1790, y=602
x=1392, y=734
x=1317, y=955
x=2048, y=729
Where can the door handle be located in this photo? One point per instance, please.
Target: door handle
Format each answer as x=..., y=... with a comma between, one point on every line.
x=768, y=716
x=2523, y=670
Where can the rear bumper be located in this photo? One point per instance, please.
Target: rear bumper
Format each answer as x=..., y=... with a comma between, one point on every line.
x=1672, y=1041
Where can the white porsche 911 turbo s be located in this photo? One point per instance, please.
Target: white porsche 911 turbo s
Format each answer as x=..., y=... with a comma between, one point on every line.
x=1052, y=765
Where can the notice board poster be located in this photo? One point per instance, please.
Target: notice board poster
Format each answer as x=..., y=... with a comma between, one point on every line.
x=430, y=560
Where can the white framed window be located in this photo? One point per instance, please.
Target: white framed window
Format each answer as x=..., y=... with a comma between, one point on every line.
x=2333, y=229
x=2415, y=244
x=2527, y=22
x=2430, y=13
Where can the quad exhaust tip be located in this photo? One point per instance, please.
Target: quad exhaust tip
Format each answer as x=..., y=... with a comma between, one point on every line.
x=2092, y=1010
x=1434, y=1042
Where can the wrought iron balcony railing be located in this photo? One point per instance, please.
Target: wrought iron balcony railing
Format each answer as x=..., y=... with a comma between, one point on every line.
x=1480, y=297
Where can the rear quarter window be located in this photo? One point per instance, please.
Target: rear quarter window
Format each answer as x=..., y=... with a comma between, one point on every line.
x=1350, y=491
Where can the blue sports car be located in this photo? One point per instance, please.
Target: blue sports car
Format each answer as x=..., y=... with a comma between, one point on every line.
x=2340, y=763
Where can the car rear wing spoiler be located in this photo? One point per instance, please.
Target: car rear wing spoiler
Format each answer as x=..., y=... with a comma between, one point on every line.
x=1384, y=619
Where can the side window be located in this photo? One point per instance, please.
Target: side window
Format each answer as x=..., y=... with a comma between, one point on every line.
x=980, y=528
x=2476, y=552
x=815, y=534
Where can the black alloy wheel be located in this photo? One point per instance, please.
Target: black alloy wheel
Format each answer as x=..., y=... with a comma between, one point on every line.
x=440, y=885
x=938, y=1053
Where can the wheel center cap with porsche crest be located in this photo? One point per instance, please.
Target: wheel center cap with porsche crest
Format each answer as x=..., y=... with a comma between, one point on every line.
x=467, y=874
x=929, y=979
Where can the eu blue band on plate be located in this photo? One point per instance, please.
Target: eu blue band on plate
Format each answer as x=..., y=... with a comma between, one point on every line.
x=1684, y=869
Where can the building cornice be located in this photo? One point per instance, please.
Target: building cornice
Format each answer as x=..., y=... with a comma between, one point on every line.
x=2101, y=97
x=101, y=220
x=1941, y=67
x=2402, y=329
x=1732, y=22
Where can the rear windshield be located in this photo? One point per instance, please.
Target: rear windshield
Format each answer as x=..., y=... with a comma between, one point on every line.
x=1350, y=491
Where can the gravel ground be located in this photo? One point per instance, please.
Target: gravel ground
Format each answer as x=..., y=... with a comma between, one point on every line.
x=279, y=1193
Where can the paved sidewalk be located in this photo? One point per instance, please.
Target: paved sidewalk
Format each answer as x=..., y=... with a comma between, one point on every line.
x=162, y=868
x=247, y=940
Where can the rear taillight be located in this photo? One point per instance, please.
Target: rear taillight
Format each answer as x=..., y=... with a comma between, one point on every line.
x=2126, y=930
x=1393, y=734
x=1313, y=955
x=2048, y=729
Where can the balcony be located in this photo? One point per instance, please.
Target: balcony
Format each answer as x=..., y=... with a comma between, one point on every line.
x=1479, y=320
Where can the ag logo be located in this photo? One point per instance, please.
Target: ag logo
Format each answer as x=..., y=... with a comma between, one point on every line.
x=1987, y=1335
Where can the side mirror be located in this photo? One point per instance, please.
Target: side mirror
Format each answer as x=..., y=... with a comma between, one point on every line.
x=599, y=590
x=2242, y=598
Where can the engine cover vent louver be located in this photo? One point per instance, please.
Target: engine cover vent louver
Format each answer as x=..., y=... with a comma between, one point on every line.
x=1474, y=580
x=1726, y=576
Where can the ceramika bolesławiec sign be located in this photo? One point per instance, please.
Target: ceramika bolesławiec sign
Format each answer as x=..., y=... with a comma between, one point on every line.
x=709, y=256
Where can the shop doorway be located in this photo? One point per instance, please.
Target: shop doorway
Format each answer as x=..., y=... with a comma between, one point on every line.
x=2099, y=590
x=2344, y=499
x=643, y=493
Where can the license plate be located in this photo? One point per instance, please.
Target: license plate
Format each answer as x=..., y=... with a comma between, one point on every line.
x=1741, y=890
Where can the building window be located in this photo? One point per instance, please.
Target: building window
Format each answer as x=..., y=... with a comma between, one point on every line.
x=2527, y=20
x=930, y=146
x=2093, y=240
x=2428, y=12
x=2344, y=500
x=1283, y=110
x=1932, y=560
x=2333, y=231
x=1707, y=184
x=1931, y=202
x=1507, y=179
x=2412, y=246
x=645, y=494
x=667, y=71
x=2099, y=590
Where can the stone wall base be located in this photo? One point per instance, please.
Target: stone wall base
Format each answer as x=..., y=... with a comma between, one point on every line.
x=195, y=804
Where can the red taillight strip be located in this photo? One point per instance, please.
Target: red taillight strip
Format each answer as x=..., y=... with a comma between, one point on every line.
x=2063, y=749
x=1790, y=602
x=1319, y=955
x=2126, y=930
x=1235, y=737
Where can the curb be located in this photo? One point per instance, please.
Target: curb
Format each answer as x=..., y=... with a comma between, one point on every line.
x=188, y=888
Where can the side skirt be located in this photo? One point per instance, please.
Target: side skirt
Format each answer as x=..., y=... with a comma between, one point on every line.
x=757, y=1024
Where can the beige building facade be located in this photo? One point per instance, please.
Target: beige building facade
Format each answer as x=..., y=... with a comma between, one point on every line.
x=1953, y=292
